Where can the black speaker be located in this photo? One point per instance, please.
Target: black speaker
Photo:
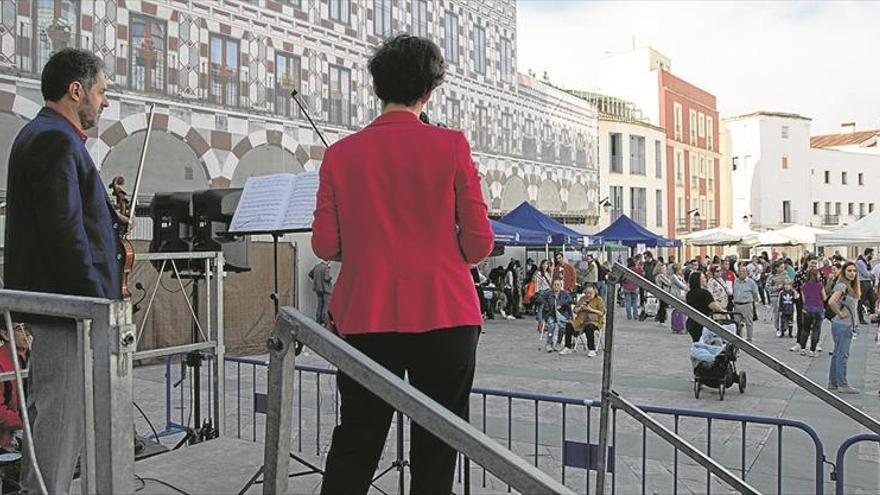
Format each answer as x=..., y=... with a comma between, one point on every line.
x=212, y=211
x=172, y=222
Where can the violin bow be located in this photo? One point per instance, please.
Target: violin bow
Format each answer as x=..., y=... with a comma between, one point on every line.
x=140, y=170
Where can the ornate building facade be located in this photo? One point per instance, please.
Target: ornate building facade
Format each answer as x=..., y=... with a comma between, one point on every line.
x=220, y=74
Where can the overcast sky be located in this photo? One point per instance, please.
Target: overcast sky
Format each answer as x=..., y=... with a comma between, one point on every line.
x=817, y=59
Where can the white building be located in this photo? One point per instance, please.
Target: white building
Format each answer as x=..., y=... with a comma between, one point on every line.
x=632, y=164
x=780, y=178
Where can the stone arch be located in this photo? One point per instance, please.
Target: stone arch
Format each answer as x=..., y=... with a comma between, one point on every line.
x=549, y=198
x=513, y=193
x=301, y=155
x=161, y=122
x=15, y=111
x=171, y=164
x=264, y=160
x=578, y=201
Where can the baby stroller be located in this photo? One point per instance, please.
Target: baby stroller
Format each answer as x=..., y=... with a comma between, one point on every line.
x=714, y=360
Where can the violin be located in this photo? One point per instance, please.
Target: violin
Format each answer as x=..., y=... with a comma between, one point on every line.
x=125, y=209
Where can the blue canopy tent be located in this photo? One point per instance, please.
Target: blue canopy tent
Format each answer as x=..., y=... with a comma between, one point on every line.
x=508, y=235
x=629, y=233
x=527, y=216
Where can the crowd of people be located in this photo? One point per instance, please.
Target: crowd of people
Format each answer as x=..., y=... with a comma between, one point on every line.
x=794, y=296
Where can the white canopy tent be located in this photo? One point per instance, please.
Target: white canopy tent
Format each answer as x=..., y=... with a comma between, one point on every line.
x=718, y=236
x=865, y=232
x=801, y=234
x=769, y=238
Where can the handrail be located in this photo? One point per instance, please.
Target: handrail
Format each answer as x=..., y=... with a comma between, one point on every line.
x=841, y=453
x=400, y=395
x=105, y=335
x=761, y=356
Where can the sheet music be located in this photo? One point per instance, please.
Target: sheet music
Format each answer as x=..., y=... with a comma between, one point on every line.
x=277, y=202
x=300, y=211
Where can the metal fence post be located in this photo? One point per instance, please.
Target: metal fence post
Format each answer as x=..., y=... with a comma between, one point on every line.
x=112, y=339
x=279, y=414
x=607, y=369
x=219, y=369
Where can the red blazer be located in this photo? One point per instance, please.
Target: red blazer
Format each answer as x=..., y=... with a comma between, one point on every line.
x=400, y=205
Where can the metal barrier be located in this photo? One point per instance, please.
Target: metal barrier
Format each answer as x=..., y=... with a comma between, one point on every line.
x=620, y=273
x=576, y=417
x=839, y=468
x=454, y=431
x=106, y=339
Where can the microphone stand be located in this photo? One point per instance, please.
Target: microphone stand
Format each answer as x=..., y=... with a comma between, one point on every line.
x=293, y=94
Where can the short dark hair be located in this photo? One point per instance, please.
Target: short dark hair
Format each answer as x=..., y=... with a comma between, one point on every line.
x=694, y=279
x=406, y=68
x=66, y=66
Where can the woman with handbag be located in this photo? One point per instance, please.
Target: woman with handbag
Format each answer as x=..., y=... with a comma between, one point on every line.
x=842, y=303
x=589, y=317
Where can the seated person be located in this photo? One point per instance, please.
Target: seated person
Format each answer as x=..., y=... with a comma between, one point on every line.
x=10, y=415
x=555, y=304
x=589, y=317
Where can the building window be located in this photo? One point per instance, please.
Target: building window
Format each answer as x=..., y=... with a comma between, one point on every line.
x=710, y=133
x=288, y=77
x=147, y=54
x=861, y=210
x=637, y=155
x=694, y=169
x=870, y=207
x=506, y=133
x=453, y=113
x=861, y=179
x=843, y=178
x=677, y=112
x=679, y=167
x=451, y=36
x=637, y=205
x=616, y=202
x=658, y=159
x=658, y=206
x=340, y=11
x=784, y=161
x=382, y=15
x=693, y=127
x=340, y=96
x=482, y=128
x=837, y=209
x=786, y=212
x=616, y=148
x=56, y=27
x=785, y=132
x=479, y=50
x=224, y=71
x=420, y=18
x=815, y=207
x=701, y=124
x=851, y=209
x=827, y=208
x=506, y=59
x=548, y=146
x=827, y=177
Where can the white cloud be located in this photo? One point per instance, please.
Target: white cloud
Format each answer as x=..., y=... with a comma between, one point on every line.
x=821, y=59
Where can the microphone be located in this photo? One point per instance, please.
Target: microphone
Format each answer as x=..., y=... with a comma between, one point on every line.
x=293, y=95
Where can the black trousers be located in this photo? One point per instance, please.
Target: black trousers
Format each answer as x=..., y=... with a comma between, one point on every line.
x=440, y=363
x=661, y=312
x=590, y=331
x=866, y=302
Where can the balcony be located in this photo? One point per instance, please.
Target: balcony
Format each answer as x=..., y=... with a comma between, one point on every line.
x=830, y=219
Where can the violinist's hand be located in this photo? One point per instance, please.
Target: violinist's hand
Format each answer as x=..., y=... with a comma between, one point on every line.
x=122, y=218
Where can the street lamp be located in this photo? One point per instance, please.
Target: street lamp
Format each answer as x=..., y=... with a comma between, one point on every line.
x=696, y=217
x=747, y=218
x=605, y=204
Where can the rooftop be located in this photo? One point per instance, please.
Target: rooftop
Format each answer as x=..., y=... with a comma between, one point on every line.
x=764, y=113
x=844, y=139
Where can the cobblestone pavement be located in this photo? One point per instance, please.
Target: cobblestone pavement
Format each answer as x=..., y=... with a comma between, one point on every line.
x=651, y=367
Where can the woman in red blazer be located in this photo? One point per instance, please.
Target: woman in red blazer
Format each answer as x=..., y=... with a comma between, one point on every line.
x=400, y=205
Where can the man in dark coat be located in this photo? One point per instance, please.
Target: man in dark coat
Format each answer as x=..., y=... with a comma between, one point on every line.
x=60, y=238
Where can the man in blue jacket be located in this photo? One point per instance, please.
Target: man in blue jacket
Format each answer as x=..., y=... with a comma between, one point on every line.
x=60, y=238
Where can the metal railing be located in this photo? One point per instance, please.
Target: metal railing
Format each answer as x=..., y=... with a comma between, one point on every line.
x=542, y=431
x=839, y=467
x=830, y=219
x=106, y=339
x=620, y=273
x=454, y=431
